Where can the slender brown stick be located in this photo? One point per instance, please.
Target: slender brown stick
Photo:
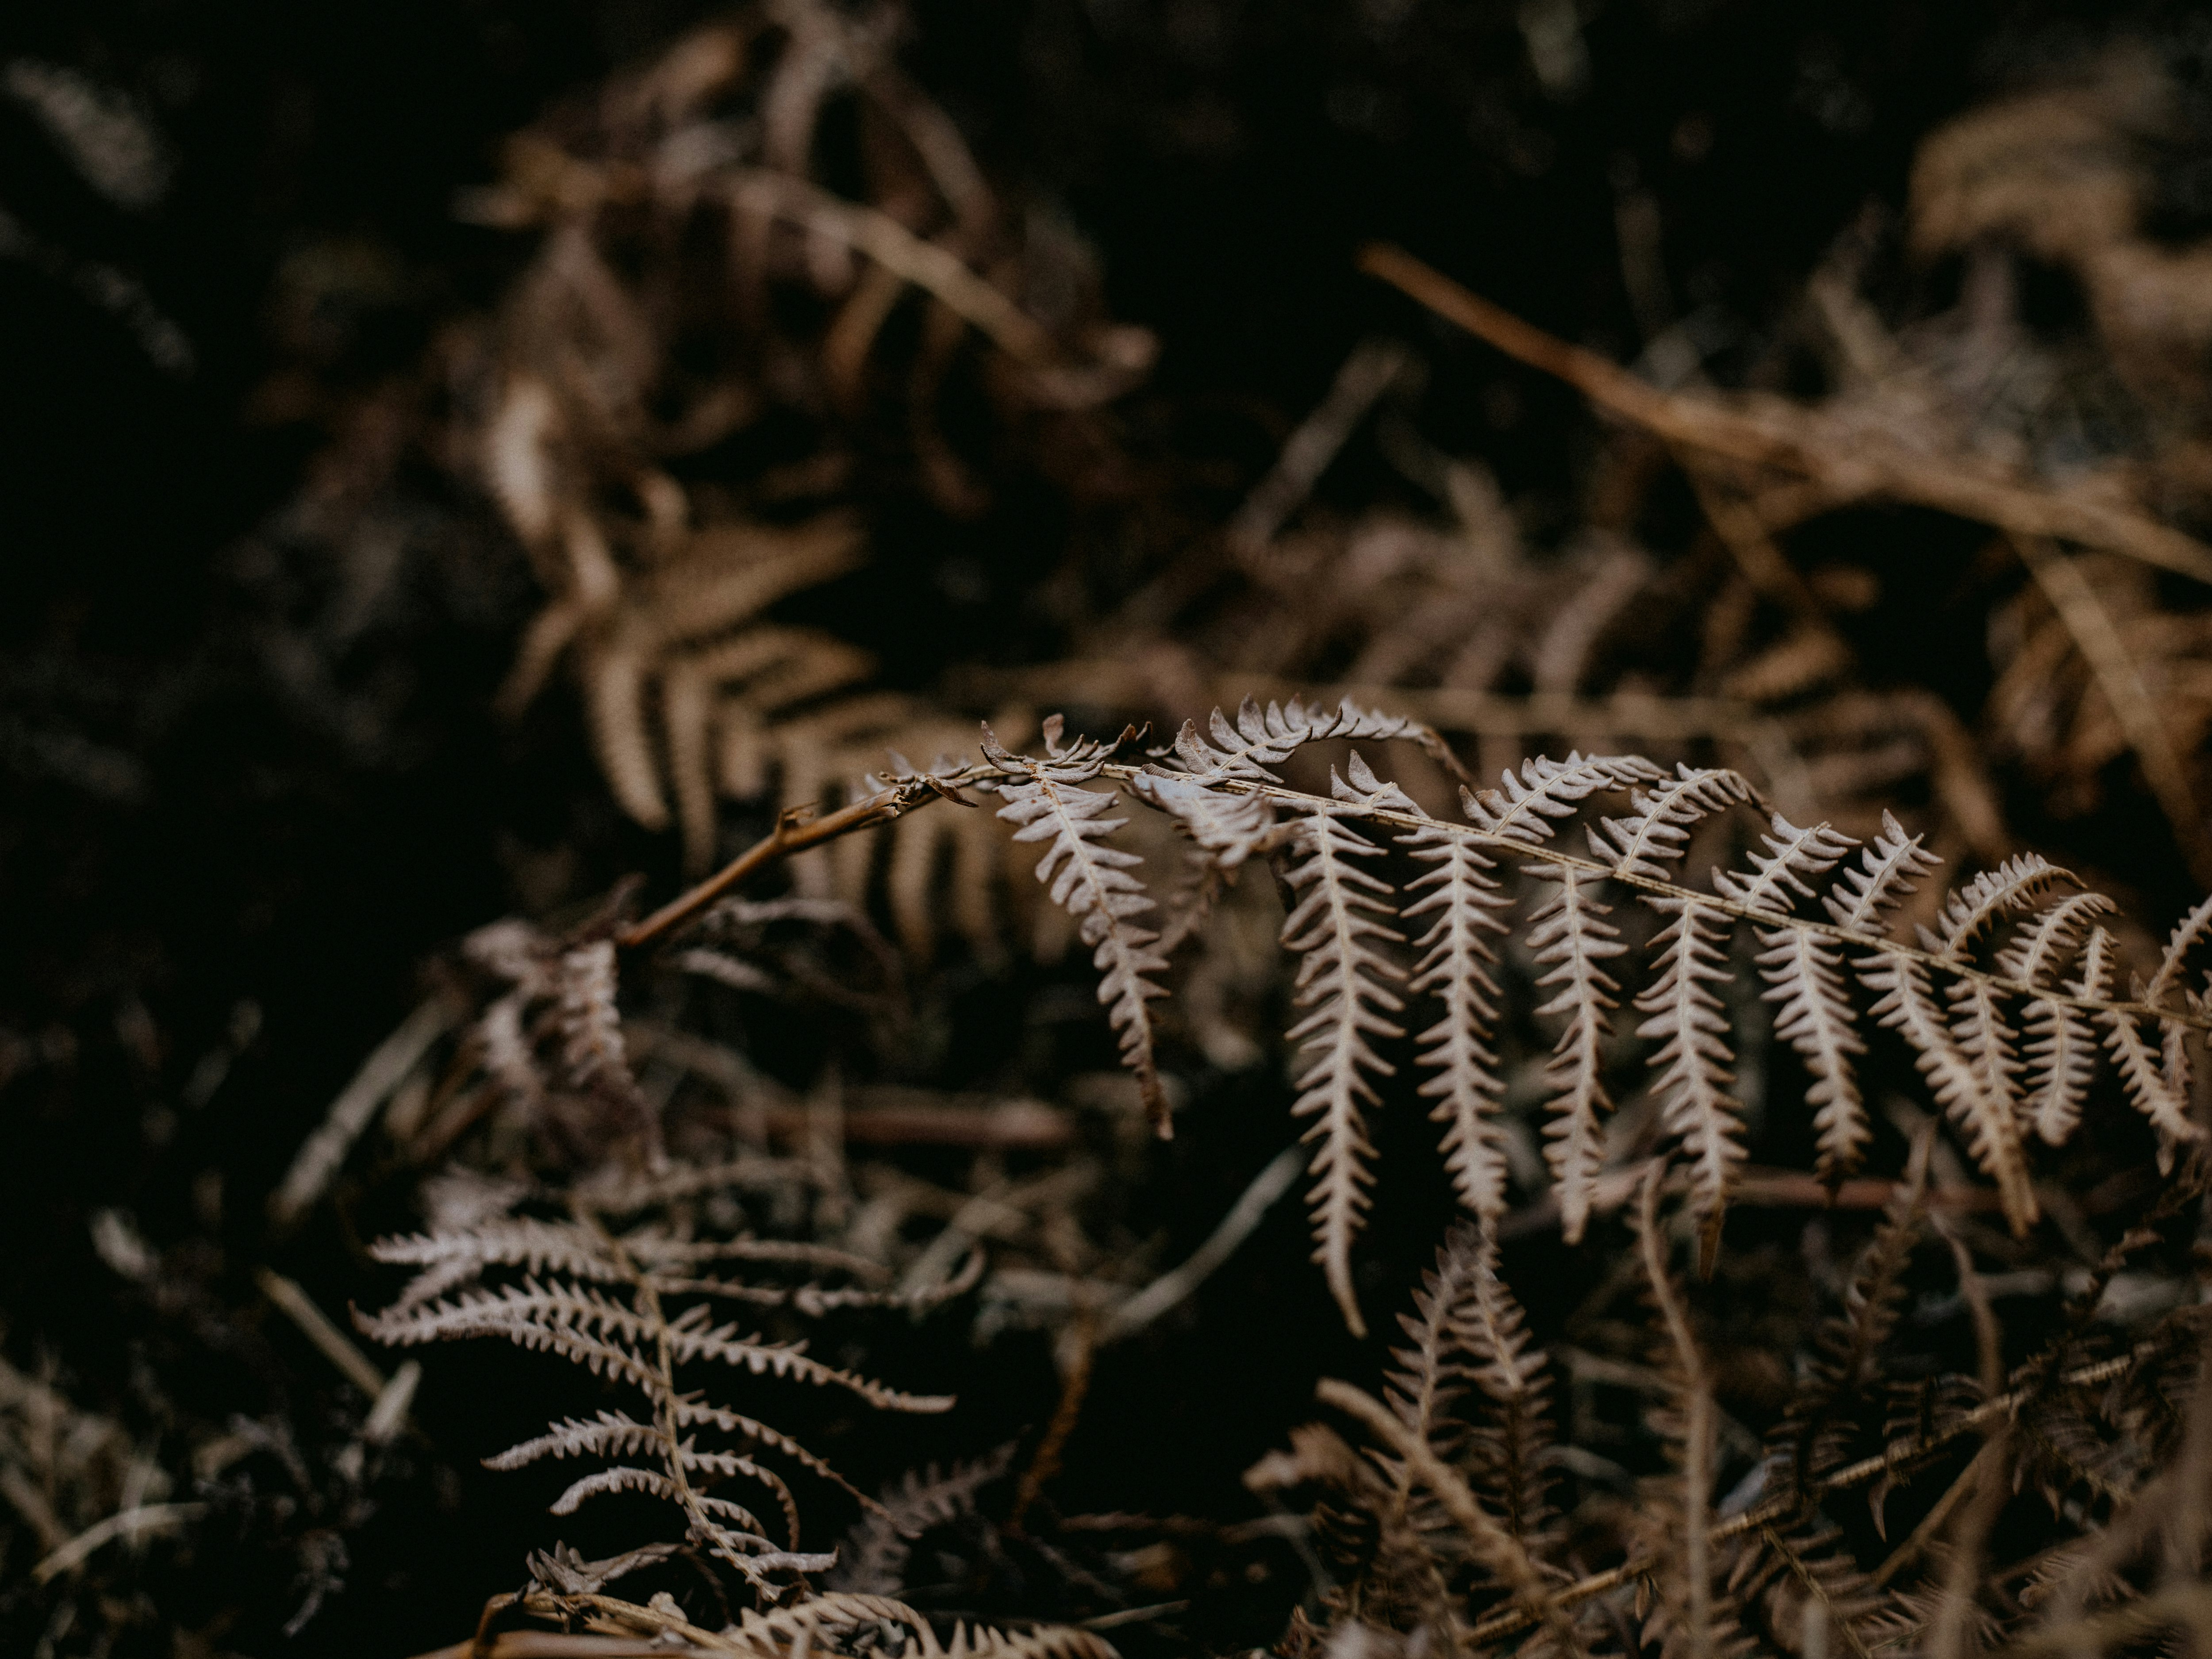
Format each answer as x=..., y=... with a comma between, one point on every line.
x=1074, y=1390
x=1788, y=439
x=793, y=833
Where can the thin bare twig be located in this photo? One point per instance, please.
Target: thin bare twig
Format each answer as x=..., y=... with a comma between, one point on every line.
x=794, y=832
x=296, y=1305
x=131, y=1523
x=1785, y=438
x=387, y=1067
x=1171, y=1288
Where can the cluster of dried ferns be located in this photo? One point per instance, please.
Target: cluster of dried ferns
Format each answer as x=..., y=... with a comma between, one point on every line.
x=1450, y=1513
x=2011, y=952
x=1572, y=1010
x=697, y=279
x=2019, y=952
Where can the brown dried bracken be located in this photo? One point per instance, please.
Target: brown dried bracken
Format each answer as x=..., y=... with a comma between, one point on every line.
x=1444, y=1523
x=617, y=360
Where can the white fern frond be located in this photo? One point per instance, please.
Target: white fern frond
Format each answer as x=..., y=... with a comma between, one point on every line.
x=1794, y=855
x=1803, y=971
x=630, y=1478
x=1568, y=933
x=2015, y=884
x=1465, y=901
x=622, y=1477
x=1695, y=1057
x=447, y=1321
x=505, y=1241
x=1649, y=841
x=560, y=1320
x=2158, y=1095
x=1332, y=928
x=2041, y=946
x=1986, y=1121
x=2190, y=931
x=727, y=1345
x=1887, y=871
x=1091, y=882
x=1549, y=789
x=592, y=1048
x=1265, y=738
x=2061, y=1063
x=1986, y=1038
x=2003, y=1036
x=613, y=1435
x=2061, y=1052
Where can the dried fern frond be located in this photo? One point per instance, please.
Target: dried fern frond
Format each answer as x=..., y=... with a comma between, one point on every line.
x=1956, y=999
x=634, y=1306
x=1091, y=881
x=1468, y=1337
x=843, y=1623
x=873, y=1557
x=1998, y=956
x=1262, y=738
x=1568, y=935
x=1333, y=927
x=1802, y=974
x=548, y=1048
x=1826, y=1410
x=617, y=363
x=1466, y=904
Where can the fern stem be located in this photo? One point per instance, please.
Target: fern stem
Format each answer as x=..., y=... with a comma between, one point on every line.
x=795, y=831
x=646, y=1300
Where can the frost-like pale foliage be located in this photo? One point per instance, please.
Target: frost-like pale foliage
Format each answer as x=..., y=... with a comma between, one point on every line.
x=2003, y=1005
